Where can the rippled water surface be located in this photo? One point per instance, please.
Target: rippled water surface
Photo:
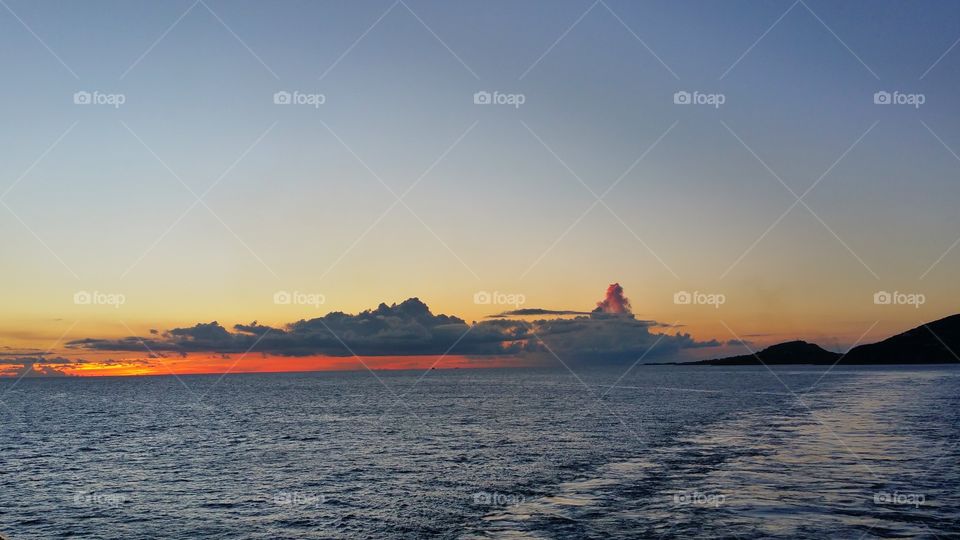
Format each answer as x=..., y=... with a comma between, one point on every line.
x=668, y=451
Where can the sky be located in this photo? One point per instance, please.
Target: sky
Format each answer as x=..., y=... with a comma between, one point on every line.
x=783, y=200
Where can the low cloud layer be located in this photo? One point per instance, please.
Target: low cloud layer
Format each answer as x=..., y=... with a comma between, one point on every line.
x=410, y=328
x=35, y=366
x=611, y=339
x=530, y=312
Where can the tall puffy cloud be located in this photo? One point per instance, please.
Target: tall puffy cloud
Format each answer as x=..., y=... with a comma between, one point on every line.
x=614, y=301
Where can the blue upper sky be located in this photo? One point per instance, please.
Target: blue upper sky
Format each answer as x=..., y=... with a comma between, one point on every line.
x=104, y=209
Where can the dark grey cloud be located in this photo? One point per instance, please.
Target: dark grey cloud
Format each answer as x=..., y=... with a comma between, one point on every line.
x=41, y=358
x=410, y=328
x=525, y=312
x=39, y=365
x=13, y=352
x=610, y=339
x=31, y=371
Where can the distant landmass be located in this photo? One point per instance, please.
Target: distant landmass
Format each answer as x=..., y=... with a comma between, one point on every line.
x=930, y=343
x=791, y=352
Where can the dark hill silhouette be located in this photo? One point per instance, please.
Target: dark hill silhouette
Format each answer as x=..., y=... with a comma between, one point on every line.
x=930, y=343
x=791, y=352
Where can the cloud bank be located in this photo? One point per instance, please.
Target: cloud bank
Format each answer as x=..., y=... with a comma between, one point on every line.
x=408, y=328
x=610, y=334
x=35, y=366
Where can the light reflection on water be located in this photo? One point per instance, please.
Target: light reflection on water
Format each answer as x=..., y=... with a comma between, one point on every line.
x=872, y=456
x=671, y=452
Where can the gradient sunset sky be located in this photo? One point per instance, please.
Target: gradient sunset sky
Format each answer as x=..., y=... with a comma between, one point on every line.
x=492, y=198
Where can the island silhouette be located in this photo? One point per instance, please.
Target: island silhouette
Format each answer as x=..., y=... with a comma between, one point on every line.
x=930, y=343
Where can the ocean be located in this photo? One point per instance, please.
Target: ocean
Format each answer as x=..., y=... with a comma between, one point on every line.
x=665, y=452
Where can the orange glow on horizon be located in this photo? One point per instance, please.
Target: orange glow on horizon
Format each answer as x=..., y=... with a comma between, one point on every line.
x=256, y=363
